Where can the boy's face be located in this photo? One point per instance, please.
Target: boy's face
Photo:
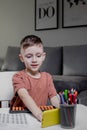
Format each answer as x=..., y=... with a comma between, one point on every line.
x=33, y=57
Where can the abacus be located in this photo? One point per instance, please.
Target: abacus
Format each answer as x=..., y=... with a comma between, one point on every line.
x=25, y=110
x=19, y=110
x=44, y=108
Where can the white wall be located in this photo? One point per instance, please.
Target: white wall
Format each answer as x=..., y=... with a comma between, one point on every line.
x=17, y=20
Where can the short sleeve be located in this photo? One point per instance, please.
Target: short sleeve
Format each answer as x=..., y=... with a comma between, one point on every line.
x=20, y=81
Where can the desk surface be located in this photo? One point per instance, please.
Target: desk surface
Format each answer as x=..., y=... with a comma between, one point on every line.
x=33, y=123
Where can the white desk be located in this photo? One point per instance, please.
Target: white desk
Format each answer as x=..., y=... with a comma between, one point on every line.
x=34, y=124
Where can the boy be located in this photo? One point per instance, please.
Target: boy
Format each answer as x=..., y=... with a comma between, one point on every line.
x=32, y=87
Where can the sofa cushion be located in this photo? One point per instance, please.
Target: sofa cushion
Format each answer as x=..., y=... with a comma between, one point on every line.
x=83, y=84
x=75, y=60
x=53, y=61
x=12, y=61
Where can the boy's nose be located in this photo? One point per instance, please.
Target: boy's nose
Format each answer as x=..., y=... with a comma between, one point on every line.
x=34, y=59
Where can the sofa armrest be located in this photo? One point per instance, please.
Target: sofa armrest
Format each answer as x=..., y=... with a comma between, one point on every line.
x=82, y=97
x=1, y=63
x=68, y=82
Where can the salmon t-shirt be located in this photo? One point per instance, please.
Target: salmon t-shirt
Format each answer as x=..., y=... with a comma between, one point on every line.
x=41, y=89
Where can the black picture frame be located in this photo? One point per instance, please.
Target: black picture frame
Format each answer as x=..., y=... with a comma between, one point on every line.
x=74, y=13
x=46, y=14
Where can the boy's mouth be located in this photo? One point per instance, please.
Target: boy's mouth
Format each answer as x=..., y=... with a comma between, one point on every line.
x=34, y=65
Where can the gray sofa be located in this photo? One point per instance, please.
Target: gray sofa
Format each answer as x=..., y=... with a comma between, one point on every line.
x=67, y=64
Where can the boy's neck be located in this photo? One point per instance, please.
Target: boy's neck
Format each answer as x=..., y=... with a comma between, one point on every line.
x=34, y=75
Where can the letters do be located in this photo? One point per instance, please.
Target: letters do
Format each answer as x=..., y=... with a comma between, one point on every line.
x=46, y=12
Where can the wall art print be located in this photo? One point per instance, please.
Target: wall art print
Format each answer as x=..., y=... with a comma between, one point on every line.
x=46, y=14
x=74, y=13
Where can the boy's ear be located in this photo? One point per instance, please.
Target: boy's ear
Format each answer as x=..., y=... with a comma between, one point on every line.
x=21, y=58
x=44, y=56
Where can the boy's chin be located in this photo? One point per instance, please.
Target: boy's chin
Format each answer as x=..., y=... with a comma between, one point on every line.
x=34, y=71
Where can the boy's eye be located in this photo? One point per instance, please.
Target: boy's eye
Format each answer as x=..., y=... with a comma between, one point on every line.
x=39, y=55
x=29, y=56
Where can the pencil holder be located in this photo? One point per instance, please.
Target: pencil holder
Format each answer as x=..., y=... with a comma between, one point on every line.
x=68, y=115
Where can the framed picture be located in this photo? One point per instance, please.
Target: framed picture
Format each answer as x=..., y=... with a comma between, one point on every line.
x=74, y=13
x=46, y=14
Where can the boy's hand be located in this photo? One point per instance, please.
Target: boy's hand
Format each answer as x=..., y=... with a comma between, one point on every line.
x=30, y=103
x=39, y=116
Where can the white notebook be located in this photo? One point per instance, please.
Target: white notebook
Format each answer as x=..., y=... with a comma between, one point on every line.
x=13, y=118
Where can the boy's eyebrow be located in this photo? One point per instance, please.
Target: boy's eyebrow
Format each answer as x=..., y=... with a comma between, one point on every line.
x=36, y=53
x=29, y=54
x=39, y=53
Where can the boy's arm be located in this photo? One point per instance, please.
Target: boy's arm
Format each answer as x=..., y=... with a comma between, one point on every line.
x=55, y=101
x=29, y=103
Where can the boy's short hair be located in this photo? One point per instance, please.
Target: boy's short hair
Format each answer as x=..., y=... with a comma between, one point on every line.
x=30, y=40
